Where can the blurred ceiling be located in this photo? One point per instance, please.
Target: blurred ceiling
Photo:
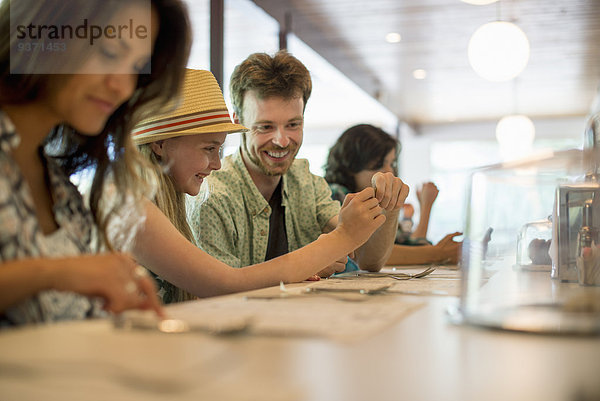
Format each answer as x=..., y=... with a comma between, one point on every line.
x=560, y=80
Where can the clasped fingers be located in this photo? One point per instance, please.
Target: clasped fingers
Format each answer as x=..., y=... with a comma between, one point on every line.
x=390, y=191
x=360, y=215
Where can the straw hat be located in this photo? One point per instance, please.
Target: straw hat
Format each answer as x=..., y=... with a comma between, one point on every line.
x=201, y=110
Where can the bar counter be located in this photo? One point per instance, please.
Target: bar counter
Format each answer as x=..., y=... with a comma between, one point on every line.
x=420, y=356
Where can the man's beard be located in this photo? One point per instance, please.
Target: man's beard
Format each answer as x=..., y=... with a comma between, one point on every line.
x=256, y=160
x=268, y=171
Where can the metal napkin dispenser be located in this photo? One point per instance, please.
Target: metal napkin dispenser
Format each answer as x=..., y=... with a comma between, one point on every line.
x=571, y=215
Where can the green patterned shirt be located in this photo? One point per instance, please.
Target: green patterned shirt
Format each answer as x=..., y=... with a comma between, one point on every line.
x=230, y=217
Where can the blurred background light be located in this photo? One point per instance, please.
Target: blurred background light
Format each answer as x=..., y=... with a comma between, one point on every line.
x=498, y=51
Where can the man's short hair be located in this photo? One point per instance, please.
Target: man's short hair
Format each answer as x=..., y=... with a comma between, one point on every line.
x=280, y=75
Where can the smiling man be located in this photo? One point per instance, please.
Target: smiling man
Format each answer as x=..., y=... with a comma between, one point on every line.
x=264, y=202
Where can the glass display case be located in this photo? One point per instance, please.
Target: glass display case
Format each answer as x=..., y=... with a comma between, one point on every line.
x=521, y=268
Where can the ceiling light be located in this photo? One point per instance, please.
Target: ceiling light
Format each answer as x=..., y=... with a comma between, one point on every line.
x=393, y=37
x=498, y=51
x=515, y=134
x=420, y=74
x=479, y=2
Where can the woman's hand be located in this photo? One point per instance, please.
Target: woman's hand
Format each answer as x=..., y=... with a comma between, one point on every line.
x=115, y=277
x=448, y=250
x=408, y=211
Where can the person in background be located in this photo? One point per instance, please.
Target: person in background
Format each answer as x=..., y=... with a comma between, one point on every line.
x=264, y=202
x=426, y=195
x=183, y=147
x=363, y=151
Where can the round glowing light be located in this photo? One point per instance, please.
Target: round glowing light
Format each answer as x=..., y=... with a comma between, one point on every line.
x=498, y=51
x=393, y=37
x=419, y=74
x=515, y=134
x=479, y=2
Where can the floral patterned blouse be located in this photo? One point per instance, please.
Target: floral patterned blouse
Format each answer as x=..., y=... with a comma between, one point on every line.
x=21, y=236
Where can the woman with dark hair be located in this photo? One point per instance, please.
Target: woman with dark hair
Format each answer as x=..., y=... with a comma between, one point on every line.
x=67, y=106
x=359, y=149
x=358, y=154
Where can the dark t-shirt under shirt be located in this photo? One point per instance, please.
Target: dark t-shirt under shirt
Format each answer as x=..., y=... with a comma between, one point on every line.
x=278, y=243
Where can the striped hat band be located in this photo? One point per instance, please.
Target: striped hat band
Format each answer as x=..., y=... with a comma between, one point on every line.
x=189, y=121
x=198, y=109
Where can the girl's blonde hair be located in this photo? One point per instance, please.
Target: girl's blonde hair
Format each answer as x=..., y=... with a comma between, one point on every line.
x=171, y=202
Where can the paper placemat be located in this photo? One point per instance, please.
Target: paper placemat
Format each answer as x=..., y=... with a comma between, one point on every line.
x=366, y=286
x=307, y=315
x=437, y=283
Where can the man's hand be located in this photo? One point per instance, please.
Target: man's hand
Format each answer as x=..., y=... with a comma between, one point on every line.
x=390, y=191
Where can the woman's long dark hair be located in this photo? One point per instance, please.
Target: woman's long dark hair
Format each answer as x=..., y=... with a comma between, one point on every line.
x=111, y=153
x=361, y=147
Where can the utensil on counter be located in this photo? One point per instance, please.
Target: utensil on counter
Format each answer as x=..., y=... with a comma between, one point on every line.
x=361, y=291
x=399, y=275
x=135, y=320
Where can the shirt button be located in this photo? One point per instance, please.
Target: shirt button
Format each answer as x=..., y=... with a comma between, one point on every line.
x=266, y=210
x=263, y=232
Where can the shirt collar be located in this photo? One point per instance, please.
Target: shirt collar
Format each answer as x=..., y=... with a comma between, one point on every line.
x=284, y=190
x=256, y=202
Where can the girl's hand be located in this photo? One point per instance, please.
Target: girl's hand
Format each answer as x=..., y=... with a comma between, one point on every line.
x=336, y=267
x=360, y=216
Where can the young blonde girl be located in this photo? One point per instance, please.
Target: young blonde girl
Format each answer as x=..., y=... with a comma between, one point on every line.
x=202, y=106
